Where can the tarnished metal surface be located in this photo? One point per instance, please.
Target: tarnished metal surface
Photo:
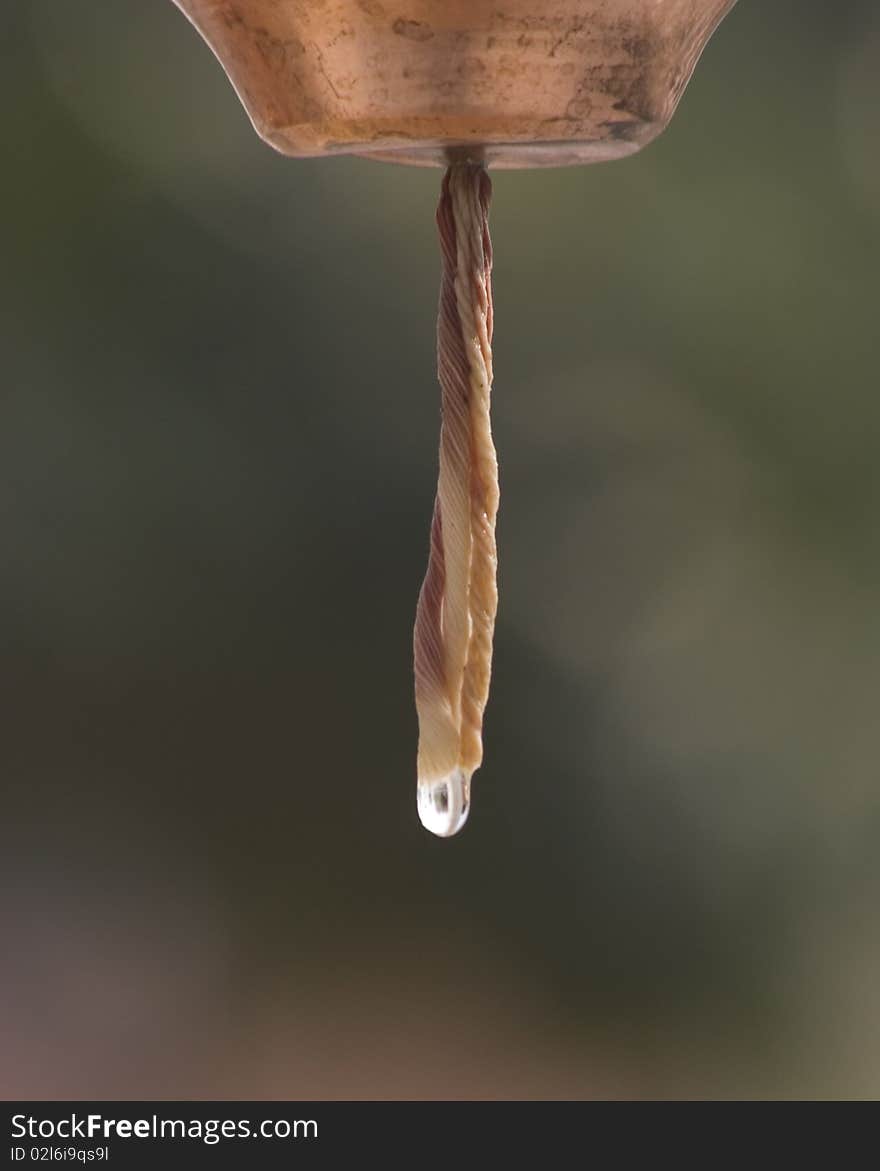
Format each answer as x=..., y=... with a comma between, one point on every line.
x=514, y=82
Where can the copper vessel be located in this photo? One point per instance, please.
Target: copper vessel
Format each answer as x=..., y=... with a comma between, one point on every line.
x=516, y=83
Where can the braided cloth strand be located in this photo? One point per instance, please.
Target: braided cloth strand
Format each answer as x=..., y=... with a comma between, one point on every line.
x=457, y=604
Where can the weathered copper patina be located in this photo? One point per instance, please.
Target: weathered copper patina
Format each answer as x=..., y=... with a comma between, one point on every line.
x=516, y=83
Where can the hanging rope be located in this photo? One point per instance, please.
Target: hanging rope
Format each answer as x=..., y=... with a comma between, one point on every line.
x=457, y=604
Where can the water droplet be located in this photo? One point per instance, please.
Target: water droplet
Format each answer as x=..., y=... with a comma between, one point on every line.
x=443, y=803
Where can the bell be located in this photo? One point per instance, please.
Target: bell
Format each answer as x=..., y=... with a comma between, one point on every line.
x=465, y=84
x=518, y=83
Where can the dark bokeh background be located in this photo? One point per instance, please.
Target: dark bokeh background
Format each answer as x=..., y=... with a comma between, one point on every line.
x=218, y=432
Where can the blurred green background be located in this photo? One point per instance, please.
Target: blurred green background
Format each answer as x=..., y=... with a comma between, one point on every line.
x=218, y=437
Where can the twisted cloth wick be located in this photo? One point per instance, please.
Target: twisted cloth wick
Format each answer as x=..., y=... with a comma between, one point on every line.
x=456, y=612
